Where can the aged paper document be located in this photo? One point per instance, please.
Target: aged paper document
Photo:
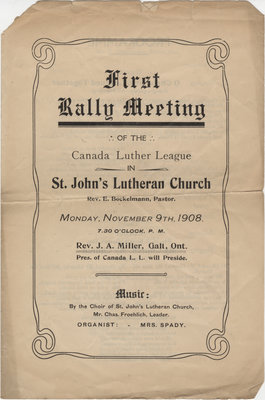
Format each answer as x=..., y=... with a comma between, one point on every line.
x=132, y=205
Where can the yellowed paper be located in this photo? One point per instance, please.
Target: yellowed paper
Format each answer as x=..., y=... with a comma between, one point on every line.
x=132, y=201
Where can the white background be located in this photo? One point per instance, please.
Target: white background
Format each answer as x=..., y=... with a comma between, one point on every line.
x=10, y=9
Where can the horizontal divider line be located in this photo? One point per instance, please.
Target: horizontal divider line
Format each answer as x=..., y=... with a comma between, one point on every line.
x=131, y=274
x=133, y=124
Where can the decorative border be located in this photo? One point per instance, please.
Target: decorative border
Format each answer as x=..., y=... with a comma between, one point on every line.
x=43, y=345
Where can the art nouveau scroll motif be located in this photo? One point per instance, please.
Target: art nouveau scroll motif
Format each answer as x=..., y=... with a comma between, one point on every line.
x=216, y=53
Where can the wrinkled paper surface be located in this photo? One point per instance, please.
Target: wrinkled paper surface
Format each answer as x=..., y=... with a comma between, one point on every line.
x=132, y=201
